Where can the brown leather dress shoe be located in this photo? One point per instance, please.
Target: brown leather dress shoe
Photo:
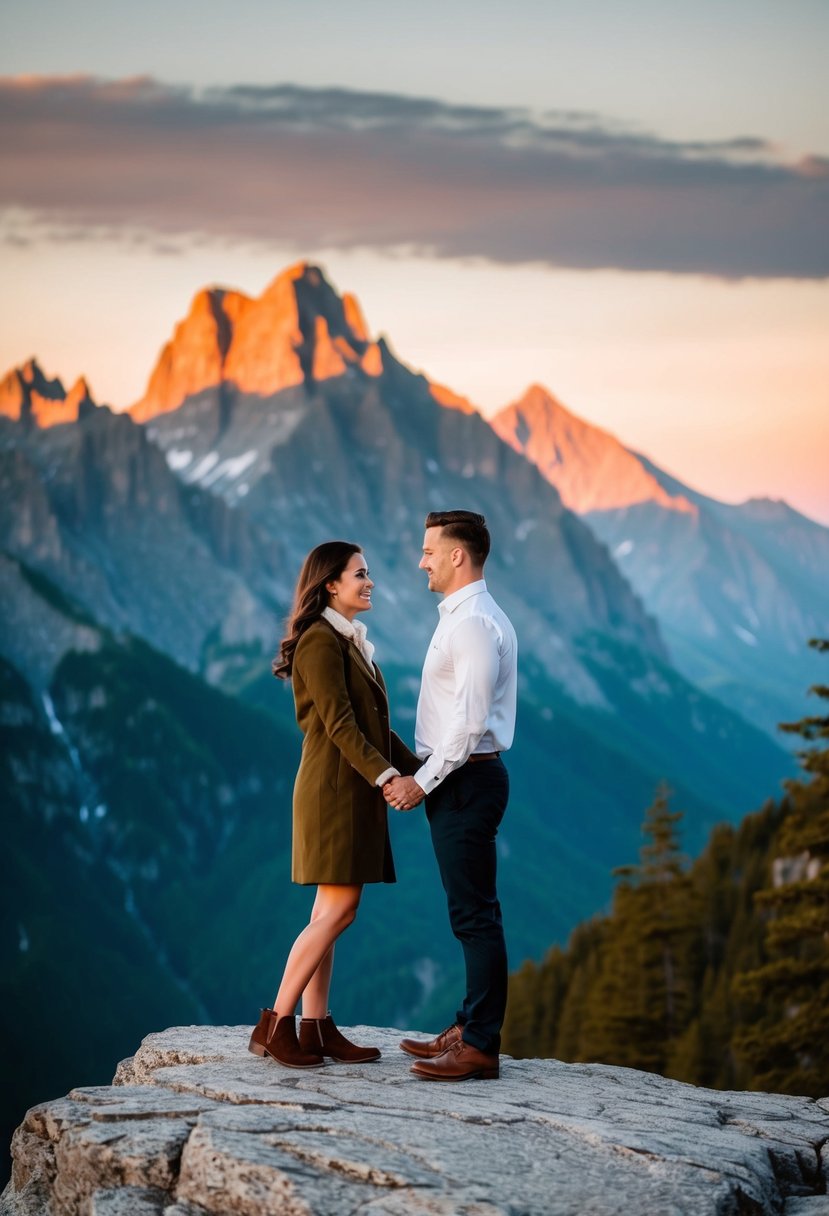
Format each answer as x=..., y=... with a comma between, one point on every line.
x=322, y=1036
x=429, y=1048
x=460, y=1062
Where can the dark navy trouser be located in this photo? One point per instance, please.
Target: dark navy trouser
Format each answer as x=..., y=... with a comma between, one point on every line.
x=464, y=813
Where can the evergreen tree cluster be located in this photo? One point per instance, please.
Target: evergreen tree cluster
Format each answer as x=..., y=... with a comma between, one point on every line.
x=715, y=973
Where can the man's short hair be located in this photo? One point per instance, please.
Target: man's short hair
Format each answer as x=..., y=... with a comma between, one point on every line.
x=467, y=528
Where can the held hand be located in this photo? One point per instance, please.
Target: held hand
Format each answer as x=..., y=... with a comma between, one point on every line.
x=403, y=793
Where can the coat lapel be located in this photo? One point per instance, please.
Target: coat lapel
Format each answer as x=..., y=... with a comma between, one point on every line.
x=363, y=665
x=356, y=654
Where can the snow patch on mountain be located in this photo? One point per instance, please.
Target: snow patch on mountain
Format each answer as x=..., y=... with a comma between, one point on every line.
x=178, y=458
x=231, y=468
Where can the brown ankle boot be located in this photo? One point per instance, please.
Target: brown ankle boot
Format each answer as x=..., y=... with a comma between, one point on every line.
x=320, y=1034
x=283, y=1046
x=261, y=1031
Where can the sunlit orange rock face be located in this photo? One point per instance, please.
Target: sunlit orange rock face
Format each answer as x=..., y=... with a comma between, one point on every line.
x=28, y=395
x=193, y=360
x=372, y=360
x=590, y=468
x=451, y=401
x=298, y=331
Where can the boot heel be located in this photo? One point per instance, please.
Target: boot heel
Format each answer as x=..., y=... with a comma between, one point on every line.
x=488, y=1074
x=261, y=1031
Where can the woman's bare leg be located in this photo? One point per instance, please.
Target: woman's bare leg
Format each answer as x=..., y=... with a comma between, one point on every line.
x=313, y=951
x=315, y=995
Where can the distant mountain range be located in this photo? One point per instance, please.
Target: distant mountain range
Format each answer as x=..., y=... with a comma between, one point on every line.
x=736, y=589
x=147, y=561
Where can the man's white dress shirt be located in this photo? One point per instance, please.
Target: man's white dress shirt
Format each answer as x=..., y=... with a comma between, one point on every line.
x=470, y=684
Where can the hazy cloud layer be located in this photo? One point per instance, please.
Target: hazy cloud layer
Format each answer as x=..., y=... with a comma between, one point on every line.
x=335, y=168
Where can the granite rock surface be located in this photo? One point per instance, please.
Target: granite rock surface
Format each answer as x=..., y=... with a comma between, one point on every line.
x=193, y=1124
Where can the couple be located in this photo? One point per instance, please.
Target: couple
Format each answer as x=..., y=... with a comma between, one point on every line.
x=353, y=764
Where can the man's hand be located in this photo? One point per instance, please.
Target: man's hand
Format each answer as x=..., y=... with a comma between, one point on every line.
x=403, y=793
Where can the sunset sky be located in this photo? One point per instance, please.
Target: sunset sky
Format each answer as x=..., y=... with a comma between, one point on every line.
x=626, y=203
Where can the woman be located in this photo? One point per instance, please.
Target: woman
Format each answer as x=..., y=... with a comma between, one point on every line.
x=341, y=836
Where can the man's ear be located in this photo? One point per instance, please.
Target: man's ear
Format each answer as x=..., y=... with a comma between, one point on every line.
x=458, y=554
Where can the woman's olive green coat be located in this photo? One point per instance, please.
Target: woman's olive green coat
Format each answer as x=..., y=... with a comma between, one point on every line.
x=341, y=832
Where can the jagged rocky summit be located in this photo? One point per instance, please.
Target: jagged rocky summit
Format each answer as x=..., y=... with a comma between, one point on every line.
x=193, y=1124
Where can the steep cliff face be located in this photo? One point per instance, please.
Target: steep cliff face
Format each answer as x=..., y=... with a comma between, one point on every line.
x=193, y=1125
x=94, y=507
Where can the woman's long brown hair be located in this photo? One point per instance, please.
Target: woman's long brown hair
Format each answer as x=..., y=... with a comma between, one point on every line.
x=323, y=565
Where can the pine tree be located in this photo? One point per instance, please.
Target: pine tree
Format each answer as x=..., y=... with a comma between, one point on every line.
x=606, y=997
x=524, y=1012
x=586, y=955
x=785, y=1033
x=638, y=1006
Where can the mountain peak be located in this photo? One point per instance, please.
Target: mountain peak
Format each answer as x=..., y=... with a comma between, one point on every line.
x=302, y=271
x=589, y=467
x=537, y=396
x=298, y=332
x=79, y=398
x=774, y=510
x=33, y=376
x=205, y=301
x=28, y=395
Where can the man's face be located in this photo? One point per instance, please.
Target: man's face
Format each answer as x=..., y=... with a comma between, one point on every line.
x=437, y=559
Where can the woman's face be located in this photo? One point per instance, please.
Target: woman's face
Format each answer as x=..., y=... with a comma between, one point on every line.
x=351, y=593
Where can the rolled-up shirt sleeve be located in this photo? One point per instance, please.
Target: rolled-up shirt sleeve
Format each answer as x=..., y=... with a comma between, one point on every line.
x=475, y=651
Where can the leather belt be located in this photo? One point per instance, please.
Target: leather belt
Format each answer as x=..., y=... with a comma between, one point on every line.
x=476, y=756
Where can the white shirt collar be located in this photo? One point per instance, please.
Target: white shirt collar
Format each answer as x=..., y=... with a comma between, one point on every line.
x=451, y=602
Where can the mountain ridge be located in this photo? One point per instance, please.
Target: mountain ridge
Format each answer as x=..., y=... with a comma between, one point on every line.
x=28, y=396
x=736, y=588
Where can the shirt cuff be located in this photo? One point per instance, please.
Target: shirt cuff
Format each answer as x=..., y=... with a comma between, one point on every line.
x=425, y=780
x=387, y=775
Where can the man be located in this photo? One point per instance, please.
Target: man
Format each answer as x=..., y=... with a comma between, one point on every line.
x=465, y=719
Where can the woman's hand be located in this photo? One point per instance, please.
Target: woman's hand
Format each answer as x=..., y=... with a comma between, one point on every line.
x=403, y=793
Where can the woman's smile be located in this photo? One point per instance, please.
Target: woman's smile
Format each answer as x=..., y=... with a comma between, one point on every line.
x=351, y=592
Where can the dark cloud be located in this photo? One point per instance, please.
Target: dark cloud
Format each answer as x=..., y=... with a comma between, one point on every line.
x=334, y=167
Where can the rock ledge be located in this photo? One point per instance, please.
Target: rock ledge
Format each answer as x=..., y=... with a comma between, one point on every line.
x=193, y=1124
